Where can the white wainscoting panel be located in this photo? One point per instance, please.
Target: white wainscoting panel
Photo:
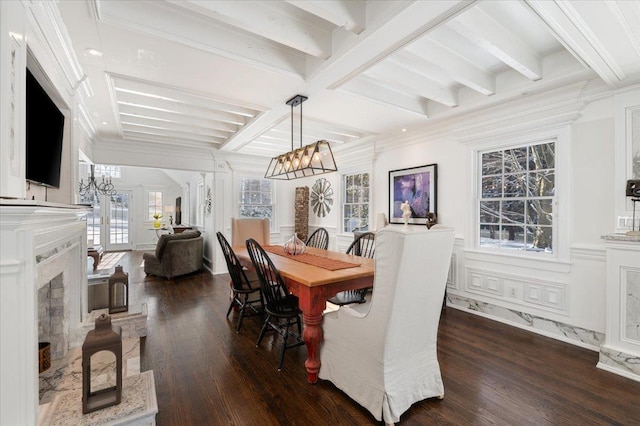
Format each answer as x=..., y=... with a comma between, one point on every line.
x=452, y=277
x=521, y=290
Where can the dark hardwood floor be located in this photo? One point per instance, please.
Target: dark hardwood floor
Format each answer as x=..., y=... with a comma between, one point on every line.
x=494, y=374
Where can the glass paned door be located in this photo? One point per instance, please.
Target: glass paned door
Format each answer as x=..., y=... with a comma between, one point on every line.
x=118, y=221
x=94, y=226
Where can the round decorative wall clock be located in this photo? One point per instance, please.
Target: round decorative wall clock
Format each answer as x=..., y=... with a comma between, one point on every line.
x=321, y=197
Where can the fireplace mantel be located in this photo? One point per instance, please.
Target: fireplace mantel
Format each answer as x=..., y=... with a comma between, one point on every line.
x=37, y=241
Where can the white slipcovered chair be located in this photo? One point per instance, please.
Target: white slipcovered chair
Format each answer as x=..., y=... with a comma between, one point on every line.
x=383, y=353
x=243, y=229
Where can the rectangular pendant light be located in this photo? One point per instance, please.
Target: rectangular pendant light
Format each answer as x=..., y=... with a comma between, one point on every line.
x=309, y=160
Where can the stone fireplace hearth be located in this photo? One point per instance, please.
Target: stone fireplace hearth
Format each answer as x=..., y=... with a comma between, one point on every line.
x=52, y=327
x=39, y=243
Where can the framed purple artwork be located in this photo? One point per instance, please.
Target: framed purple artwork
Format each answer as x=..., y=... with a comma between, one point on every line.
x=416, y=185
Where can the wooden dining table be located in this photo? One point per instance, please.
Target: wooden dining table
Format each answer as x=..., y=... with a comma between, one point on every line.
x=313, y=285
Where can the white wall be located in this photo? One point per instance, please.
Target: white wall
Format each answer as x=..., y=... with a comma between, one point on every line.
x=561, y=297
x=24, y=44
x=453, y=170
x=140, y=180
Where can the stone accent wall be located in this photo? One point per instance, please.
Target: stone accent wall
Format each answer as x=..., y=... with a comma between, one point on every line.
x=302, y=212
x=52, y=317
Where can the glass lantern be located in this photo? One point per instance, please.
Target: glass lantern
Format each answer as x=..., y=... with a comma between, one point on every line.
x=118, y=291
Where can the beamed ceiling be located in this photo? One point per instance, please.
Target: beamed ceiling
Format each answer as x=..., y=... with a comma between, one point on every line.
x=217, y=74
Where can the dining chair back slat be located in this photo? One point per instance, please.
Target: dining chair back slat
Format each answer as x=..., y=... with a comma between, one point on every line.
x=246, y=292
x=236, y=271
x=281, y=306
x=319, y=239
x=364, y=246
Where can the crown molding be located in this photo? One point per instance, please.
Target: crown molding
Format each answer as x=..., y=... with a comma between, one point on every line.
x=553, y=108
x=242, y=163
x=52, y=33
x=545, y=111
x=355, y=154
x=147, y=154
x=85, y=121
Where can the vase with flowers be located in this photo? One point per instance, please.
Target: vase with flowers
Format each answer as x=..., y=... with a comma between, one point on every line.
x=156, y=223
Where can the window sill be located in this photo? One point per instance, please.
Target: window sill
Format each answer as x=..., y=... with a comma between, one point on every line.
x=547, y=263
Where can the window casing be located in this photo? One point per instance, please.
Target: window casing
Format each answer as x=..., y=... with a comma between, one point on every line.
x=355, y=202
x=200, y=202
x=516, y=202
x=154, y=204
x=256, y=198
x=114, y=172
x=94, y=220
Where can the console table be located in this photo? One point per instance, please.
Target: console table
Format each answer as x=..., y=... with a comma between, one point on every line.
x=96, y=252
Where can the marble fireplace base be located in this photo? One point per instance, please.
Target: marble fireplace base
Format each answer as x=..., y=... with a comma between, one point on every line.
x=618, y=362
x=138, y=406
x=61, y=390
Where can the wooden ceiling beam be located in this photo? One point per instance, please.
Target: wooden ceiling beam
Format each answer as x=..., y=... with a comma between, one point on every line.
x=486, y=32
x=350, y=15
x=565, y=23
x=373, y=90
x=404, y=22
x=411, y=82
x=264, y=19
x=176, y=23
x=459, y=68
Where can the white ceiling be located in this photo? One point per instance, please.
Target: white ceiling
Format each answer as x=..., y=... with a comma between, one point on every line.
x=217, y=74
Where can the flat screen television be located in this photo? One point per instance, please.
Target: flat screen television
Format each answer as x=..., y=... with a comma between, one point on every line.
x=45, y=125
x=179, y=211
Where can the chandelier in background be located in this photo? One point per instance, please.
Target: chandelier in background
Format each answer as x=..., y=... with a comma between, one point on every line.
x=312, y=159
x=93, y=188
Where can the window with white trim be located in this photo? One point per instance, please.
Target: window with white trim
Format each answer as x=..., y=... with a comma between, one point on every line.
x=355, y=202
x=94, y=219
x=199, y=219
x=105, y=170
x=256, y=198
x=154, y=204
x=516, y=202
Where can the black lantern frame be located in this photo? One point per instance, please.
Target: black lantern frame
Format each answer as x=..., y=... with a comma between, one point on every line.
x=309, y=160
x=104, y=337
x=118, y=291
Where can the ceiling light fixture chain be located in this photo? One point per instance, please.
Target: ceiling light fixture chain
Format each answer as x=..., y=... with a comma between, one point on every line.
x=309, y=160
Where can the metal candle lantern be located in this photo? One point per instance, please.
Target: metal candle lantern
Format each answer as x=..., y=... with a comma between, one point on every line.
x=103, y=338
x=118, y=291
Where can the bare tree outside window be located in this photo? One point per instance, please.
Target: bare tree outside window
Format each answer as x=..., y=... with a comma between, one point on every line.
x=256, y=198
x=516, y=201
x=355, y=207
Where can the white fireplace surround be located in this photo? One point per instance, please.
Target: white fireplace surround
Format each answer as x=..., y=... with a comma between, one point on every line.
x=38, y=241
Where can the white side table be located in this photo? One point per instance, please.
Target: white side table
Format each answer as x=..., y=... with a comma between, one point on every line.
x=168, y=229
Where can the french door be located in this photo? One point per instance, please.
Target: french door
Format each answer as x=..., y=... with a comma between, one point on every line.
x=118, y=221
x=109, y=224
